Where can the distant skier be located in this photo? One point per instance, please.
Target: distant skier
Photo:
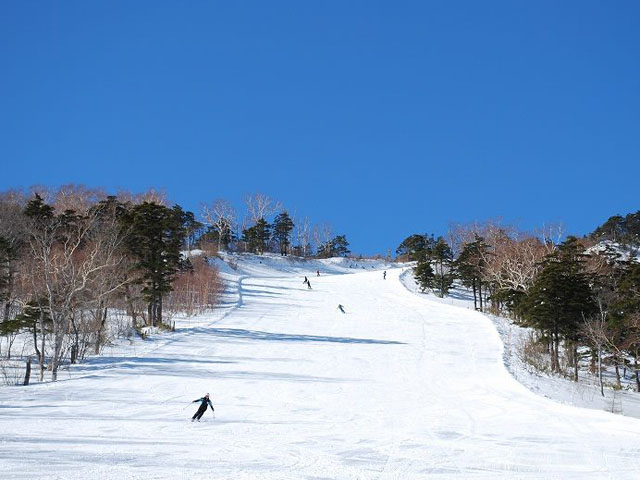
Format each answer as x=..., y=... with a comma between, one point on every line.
x=341, y=308
x=306, y=280
x=318, y=273
x=204, y=403
x=384, y=275
x=309, y=284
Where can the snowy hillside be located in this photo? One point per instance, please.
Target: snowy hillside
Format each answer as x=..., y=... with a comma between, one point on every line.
x=585, y=393
x=625, y=253
x=303, y=391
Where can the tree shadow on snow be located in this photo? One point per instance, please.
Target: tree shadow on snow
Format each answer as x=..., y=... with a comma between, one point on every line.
x=286, y=337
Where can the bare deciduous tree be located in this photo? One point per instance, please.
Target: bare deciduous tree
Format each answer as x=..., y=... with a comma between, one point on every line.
x=75, y=197
x=12, y=239
x=69, y=253
x=222, y=216
x=596, y=333
x=322, y=234
x=303, y=235
x=152, y=195
x=260, y=206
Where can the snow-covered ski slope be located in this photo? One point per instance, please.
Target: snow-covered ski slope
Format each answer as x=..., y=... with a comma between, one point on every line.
x=399, y=387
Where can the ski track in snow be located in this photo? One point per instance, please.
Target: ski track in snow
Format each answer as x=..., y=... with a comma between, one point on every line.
x=303, y=391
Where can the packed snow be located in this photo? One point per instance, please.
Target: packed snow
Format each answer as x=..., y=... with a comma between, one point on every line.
x=398, y=387
x=585, y=393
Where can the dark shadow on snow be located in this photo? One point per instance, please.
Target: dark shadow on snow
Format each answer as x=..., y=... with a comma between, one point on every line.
x=286, y=337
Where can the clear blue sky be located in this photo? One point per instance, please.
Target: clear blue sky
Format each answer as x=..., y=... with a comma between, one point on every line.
x=382, y=118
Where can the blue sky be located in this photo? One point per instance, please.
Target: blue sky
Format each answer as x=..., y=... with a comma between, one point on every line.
x=381, y=118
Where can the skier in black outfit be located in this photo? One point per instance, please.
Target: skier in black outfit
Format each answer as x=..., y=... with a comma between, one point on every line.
x=305, y=280
x=204, y=402
x=384, y=275
x=309, y=284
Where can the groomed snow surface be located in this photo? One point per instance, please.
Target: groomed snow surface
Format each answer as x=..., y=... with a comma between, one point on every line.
x=398, y=387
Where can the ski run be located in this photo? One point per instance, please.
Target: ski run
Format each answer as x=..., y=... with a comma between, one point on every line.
x=397, y=387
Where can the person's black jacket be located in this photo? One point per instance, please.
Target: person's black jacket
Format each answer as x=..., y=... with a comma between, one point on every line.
x=203, y=403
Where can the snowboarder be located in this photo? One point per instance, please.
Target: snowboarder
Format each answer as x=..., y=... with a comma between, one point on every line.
x=384, y=275
x=204, y=402
x=341, y=308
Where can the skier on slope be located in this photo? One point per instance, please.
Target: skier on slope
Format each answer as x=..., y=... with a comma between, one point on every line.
x=341, y=308
x=204, y=402
x=384, y=275
x=309, y=284
x=306, y=280
x=318, y=272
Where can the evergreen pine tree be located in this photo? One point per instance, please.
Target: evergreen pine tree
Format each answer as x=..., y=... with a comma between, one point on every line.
x=424, y=275
x=470, y=266
x=282, y=227
x=336, y=247
x=340, y=246
x=560, y=298
x=624, y=318
x=156, y=234
x=257, y=237
x=442, y=258
x=38, y=210
x=222, y=237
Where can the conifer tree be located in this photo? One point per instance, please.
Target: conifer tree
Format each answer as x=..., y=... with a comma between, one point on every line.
x=416, y=247
x=340, y=246
x=624, y=317
x=560, y=299
x=257, y=237
x=470, y=266
x=442, y=258
x=424, y=275
x=192, y=228
x=282, y=228
x=156, y=235
x=220, y=234
x=336, y=247
x=38, y=210
x=12, y=247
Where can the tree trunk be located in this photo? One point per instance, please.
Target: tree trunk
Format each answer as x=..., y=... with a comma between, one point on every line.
x=475, y=302
x=130, y=307
x=150, y=312
x=57, y=348
x=35, y=342
x=9, y=291
x=76, y=339
x=618, y=383
x=480, y=295
x=7, y=310
x=600, y=370
x=159, y=312
x=635, y=366
x=41, y=357
x=27, y=374
x=555, y=358
x=575, y=362
x=102, y=312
